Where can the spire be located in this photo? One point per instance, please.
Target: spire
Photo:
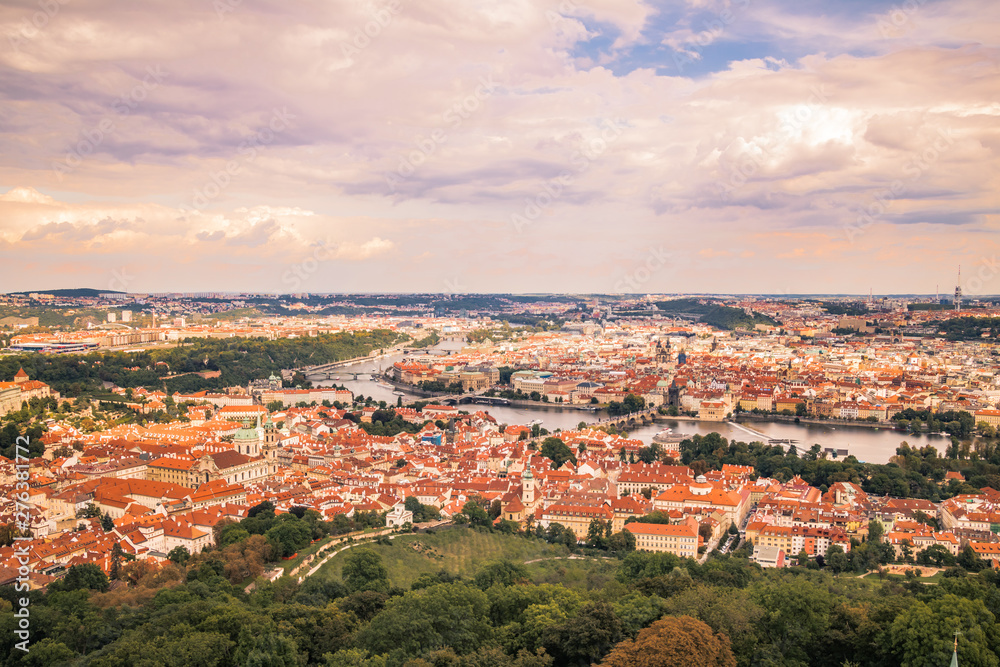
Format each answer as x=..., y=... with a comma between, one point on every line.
x=954, y=655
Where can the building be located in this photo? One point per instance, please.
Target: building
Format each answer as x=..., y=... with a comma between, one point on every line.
x=734, y=505
x=991, y=417
x=715, y=411
x=21, y=389
x=398, y=516
x=795, y=539
x=575, y=517
x=768, y=556
x=680, y=539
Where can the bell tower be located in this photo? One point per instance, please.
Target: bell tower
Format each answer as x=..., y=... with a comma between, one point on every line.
x=527, y=488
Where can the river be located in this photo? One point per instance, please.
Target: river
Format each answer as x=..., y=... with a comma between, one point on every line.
x=867, y=444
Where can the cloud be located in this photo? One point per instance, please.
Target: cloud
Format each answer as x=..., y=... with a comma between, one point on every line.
x=795, y=119
x=357, y=252
x=77, y=232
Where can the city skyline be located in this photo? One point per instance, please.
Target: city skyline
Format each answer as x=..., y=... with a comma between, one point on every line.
x=743, y=147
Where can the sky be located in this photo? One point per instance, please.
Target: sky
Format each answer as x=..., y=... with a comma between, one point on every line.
x=597, y=146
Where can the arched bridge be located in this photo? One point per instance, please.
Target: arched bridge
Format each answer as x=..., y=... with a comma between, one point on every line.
x=630, y=420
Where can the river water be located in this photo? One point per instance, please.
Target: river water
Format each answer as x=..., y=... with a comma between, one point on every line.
x=867, y=444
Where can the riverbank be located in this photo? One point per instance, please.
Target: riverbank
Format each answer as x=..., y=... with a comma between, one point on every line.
x=786, y=419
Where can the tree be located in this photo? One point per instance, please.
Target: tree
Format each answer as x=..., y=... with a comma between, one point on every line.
x=970, y=560
x=875, y=530
x=363, y=571
x=91, y=511
x=453, y=615
x=622, y=541
x=107, y=523
x=936, y=554
x=923, y=634
x=179, y=555
x=597, y=533
x=230, y=534
x=501, y=572
x=797, y=618
x=557, y=451
x=261, y=508
x=116, y=561
x=906, y=551
x=674, y=640
x=587, y=637
x=473, y=513
x=265, y=648
x=83, y=576
x=288, y=536
x=48, y=652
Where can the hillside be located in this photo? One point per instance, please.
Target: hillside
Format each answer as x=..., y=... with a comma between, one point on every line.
x=714, y=314
x=239, y=360
x=73, y=292
x=456, y=550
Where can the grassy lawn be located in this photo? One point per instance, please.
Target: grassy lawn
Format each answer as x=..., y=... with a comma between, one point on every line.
x=457, y=550
x=287, y=565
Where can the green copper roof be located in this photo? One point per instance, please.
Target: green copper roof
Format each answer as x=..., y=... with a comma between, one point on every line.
x=246, y=432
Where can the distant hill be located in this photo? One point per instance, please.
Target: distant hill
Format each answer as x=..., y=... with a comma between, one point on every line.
x=78, y=291
x=717, y=315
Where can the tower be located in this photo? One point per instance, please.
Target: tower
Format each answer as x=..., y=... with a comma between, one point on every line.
x=269, y=444
x=958, y=290
x=527, y=487
x=662, y=352
x=270, y=440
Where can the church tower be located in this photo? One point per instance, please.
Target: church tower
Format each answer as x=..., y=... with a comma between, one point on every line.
x=270, y=446
x=662, y=352
x=527, y=488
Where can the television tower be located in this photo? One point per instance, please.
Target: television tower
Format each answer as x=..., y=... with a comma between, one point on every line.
x=958, y=290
